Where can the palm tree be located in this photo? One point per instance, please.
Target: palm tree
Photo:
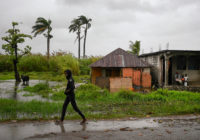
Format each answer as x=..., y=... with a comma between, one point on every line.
x=42, y=25
x=76, y=27
x=85, y=21
x=135, y=47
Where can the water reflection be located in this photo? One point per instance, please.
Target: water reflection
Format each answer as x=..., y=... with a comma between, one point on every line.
x=15, y=90
x=62, y=127
x=84, y=126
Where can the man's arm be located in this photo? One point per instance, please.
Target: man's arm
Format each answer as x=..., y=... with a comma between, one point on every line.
x=70, y=86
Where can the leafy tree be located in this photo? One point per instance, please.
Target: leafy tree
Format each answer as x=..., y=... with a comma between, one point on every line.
x=13, y=38
x=42, y=25
x=135, y=47
x=87, y=22
x=76, y=27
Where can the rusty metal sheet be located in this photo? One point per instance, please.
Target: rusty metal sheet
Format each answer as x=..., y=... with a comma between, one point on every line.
x=120, y=58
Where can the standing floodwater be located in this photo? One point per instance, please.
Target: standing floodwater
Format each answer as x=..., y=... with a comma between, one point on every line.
x=11, y=90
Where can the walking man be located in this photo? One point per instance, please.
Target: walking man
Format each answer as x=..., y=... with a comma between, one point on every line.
x=69, y=92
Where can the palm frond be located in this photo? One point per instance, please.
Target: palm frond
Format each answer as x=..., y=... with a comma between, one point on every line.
x=41, y=25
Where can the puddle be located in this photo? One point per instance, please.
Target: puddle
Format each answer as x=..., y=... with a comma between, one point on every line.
x=10, y=90
x=35, y=129
x=23, y=130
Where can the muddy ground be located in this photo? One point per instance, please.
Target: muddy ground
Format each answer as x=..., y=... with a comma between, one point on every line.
x=185, y=127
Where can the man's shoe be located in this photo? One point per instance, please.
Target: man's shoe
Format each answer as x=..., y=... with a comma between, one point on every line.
x=83, y=121
x=58, y=122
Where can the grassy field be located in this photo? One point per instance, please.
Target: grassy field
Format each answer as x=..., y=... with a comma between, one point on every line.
x=98, y=103
x=51, y=76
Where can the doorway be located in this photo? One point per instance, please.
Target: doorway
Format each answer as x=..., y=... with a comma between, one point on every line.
x=162, y=59
x=170, y=72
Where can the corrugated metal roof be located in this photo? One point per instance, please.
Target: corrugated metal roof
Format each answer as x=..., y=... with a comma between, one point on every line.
x=171, y=51
x=120, y=58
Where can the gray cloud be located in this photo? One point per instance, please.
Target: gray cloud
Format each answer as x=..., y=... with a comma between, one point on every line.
x=115, y=22
x=150, y=6
x=74, y=2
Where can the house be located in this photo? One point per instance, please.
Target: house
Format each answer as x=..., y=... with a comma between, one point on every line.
x=121, y=70
x=168, y=64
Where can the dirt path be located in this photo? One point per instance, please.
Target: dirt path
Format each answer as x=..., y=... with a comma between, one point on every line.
x=173, y=128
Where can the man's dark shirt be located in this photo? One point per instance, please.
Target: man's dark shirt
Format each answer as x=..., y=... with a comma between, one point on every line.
x=70, y=87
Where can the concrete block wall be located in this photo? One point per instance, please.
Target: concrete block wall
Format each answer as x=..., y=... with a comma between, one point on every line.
x=117, y=83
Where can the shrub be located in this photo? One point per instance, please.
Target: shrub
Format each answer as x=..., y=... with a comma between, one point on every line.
x=57, y=64
x=125, y=94
x=163, y=92
x=91, y=92
x=61, y=63
x=33, y=63
x=84, y=64
x=6, y=63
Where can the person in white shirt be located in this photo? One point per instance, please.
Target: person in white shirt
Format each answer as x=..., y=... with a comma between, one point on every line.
x=185, y=80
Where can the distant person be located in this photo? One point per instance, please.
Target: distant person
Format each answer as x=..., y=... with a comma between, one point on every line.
x=69, y=92
x=178, y=79
x=185, y=80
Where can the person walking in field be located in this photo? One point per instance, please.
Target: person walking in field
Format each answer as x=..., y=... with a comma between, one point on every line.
x=70, y=97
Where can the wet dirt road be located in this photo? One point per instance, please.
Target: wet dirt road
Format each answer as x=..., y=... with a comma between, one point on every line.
x=168, y=128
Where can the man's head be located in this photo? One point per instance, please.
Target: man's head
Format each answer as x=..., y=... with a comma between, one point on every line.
x=68, y=73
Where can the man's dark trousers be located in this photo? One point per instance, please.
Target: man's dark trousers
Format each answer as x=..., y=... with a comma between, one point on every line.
x=70, y=98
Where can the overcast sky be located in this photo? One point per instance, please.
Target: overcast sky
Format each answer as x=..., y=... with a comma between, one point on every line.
x=114, y=23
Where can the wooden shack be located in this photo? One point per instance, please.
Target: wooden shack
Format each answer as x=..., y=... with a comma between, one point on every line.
x=121, y=70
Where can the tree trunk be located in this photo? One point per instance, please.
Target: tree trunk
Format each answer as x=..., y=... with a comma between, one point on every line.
x=79, y=45
x=15, y=90
x=15, y=61
x=48, y=50
x=84, y=43
x=48, y=43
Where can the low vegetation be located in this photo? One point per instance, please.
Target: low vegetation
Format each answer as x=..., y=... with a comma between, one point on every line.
x=51, y=76
x=58, y=62
x=42, y=89
x=97, y=103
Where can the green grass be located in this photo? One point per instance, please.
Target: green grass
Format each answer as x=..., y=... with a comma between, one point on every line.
x=42, y=89
x=6, y=75
x=10, y=109
x=51, y=76
x=97, y=103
